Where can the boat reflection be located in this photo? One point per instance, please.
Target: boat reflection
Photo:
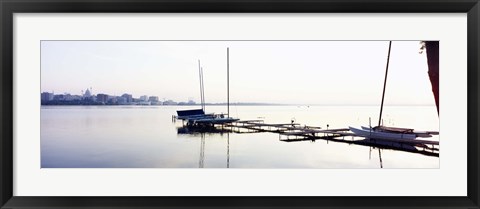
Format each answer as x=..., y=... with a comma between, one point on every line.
x=197, y=131
x=202, y=132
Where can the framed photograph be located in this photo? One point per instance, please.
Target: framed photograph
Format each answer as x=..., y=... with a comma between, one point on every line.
x=236, y=104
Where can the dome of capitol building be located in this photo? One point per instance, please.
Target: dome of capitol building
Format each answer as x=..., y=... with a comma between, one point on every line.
x=87, y=93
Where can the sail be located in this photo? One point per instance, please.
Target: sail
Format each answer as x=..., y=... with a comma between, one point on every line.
x=433, y=68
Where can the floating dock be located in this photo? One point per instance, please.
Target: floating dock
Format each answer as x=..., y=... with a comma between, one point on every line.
x=294, y=132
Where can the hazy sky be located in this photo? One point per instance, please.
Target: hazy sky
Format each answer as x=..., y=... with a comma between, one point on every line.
x=291, y=72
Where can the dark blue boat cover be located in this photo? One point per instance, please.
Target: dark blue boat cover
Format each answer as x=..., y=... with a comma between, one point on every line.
x=190, y=112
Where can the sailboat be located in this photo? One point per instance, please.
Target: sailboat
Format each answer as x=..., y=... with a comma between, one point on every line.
x=195, y=113
x=389, y=133
x=424, y=134
x=382, y=134
x=198, y=116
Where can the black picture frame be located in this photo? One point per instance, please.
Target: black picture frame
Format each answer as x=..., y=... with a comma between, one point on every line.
x=9, y=7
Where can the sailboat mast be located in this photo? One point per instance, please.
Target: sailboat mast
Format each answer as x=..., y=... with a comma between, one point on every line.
x=228, y=83
x=200, y=78
x=385, y=83
x=203, y=90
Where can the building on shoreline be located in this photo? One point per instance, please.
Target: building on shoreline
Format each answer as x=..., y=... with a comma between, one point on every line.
x=88, y=98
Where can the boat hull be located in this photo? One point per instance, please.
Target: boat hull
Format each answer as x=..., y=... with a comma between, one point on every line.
x=423, y=134
x=370, y=133
x=215, y=120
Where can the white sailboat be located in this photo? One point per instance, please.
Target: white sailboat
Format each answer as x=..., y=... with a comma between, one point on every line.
x=424, y=134
x=389, y=133
x=379, y=134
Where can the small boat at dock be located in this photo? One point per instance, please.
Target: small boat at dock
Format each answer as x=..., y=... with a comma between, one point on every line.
x=424, y=134
x=382, y=134
x=188, y=114
x=213, y=119
x=197, y=117
x=389, y=133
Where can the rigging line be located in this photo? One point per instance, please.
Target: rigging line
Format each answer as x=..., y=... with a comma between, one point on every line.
x=385, y=83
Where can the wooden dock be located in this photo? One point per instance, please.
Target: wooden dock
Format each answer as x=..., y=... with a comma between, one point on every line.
x=294, y=132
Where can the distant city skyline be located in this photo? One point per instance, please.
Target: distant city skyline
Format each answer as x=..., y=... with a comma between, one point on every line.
x=280, y=72
x=190, y=101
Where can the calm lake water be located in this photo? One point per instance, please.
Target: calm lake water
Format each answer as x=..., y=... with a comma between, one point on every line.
x=146, y=137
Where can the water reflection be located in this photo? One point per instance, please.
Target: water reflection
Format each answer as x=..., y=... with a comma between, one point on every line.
x=228, y=150
x=202, y=151
x=198, y=131
x=397, y=146
x=138, y=137
x=202, y=132
x=379, y=156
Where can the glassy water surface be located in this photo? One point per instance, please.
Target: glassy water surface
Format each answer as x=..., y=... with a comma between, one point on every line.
x=146, y=137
